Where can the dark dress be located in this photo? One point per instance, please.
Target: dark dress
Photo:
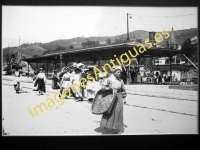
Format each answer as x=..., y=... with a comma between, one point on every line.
x=55, y=81
x=17, y=82
x=41, y=83
x=114, y=119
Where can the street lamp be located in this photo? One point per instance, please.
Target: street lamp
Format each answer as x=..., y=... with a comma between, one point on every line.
x=128, y=39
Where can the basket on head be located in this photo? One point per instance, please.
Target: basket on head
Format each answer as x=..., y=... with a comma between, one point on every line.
x=103, y=100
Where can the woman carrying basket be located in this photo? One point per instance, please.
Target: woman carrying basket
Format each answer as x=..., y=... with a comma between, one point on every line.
x=113, y=121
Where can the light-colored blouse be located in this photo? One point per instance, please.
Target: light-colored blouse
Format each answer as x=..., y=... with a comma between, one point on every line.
x=115, y=83
x=41, y=76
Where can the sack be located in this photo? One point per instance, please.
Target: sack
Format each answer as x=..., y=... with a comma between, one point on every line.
x=17, y=86
x=36, y=82
x=103, y=101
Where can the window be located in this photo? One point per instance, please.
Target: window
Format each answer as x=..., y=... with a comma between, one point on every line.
x=178, y=60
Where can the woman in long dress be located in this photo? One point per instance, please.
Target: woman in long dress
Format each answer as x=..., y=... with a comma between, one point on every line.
x=17, y=81
x=65, y=82
x=113, y=121
x=76, y=80
x=41, y=82
x=55, y=80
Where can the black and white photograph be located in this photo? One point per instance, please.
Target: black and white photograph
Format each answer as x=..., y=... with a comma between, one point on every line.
x=99, y=70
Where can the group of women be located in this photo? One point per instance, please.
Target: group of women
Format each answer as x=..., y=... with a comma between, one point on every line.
x=70, y=79
x=112, y=121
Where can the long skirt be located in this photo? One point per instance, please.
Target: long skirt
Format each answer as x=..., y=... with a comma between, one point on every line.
x=41, y=85
x=77, y=91
x=17, y=84
x=114, y=119
x=55, y=83
x=65, y=84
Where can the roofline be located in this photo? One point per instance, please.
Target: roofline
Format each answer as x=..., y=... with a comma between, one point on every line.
x=91, y=48
x=130, y=44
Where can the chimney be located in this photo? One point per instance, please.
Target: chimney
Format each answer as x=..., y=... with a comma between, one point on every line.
x=152, y=39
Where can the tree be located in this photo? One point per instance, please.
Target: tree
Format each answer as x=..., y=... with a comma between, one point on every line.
x=46, y=52
x=71, y=47
x=59, y=48
x=34, y=56
x=108, y=41
x=90, y=43
x=117, y=41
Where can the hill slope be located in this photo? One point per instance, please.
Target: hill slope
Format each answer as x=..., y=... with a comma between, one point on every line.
x=37, y=49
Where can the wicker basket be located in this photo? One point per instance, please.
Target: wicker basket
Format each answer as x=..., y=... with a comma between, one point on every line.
x=102, y=101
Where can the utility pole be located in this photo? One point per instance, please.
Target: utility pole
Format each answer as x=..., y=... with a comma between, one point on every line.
x=19, y=52
x=8, y=59
x=128, y=39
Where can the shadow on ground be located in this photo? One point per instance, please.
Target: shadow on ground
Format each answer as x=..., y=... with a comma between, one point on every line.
x=101, y=130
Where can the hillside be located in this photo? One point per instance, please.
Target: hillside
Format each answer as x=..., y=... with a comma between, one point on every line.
x=39, y=49
x=28, y=51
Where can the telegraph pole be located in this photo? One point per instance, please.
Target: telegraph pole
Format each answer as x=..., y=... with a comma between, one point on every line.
x=8, y=59
x=19, y=53
x=128, y=39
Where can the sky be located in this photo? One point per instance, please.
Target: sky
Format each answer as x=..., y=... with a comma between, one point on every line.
x=48, y=23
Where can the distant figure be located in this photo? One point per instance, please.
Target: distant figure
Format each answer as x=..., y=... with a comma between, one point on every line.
x=91, y=89
x=159, y=79
x=155, y=79
x=124, y=75
x=41, y=82
x=75, y=80
x=174, y=78
x=55, y=80
x=17, y=81
x=60, y=74
x=65, y=82
x=163, y=80
x=166, y=78
x=132, y=73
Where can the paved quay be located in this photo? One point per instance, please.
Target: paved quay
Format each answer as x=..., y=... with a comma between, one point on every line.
x=161, y=91
x=142, y=115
